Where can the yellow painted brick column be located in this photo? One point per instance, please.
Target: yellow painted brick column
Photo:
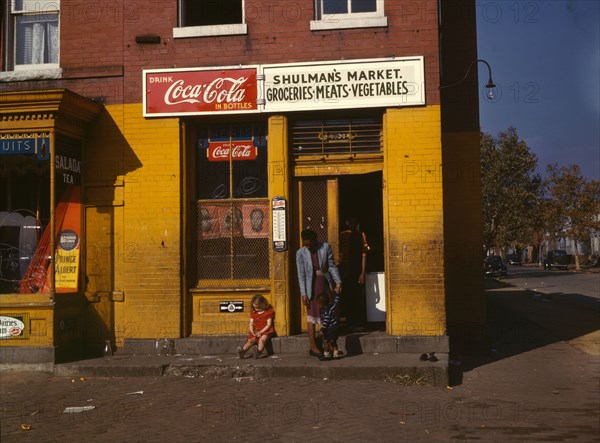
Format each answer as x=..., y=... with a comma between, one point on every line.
x=140, y=160
x=151, y=225
x=279, y=186
x=414, y=222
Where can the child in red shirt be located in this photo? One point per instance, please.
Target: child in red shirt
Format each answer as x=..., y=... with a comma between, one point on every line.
x=260, y=327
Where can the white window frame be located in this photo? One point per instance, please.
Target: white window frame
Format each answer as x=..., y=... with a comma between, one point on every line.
x=13, y=13
x=349, y=20
x=211, y=30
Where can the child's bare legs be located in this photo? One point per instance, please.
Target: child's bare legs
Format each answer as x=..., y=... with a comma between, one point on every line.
x=241, y=350
x=327, y=348
x=262, y=341
x=334, y=348
x=248, y=345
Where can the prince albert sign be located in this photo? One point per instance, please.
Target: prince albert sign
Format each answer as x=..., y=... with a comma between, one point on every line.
x=284, y=87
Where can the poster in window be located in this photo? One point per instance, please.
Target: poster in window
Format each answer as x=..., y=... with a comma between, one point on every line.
x=220, y=221
x=256, y=219
x=210, y=221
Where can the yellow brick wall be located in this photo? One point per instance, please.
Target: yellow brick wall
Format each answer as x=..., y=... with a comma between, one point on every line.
x=139, y=161
x=413, y=221
x=279, y=186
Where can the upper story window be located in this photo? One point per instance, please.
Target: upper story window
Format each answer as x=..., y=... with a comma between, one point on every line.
x=199, y=18
x=30, y=34
x=341, y=14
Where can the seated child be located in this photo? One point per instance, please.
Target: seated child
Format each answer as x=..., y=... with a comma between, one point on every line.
x=329, y=325
x=261, y=326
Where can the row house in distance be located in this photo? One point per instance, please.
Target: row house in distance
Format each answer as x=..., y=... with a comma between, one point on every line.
x=160, y=158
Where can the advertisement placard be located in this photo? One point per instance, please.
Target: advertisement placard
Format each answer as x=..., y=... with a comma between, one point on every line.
x=177, y=92
x=285, y=87
x=353, y=84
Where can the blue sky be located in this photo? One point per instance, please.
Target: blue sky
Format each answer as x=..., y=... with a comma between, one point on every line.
x=545, y=58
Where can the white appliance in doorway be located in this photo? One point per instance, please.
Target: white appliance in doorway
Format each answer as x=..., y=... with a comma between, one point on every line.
x=375, y=295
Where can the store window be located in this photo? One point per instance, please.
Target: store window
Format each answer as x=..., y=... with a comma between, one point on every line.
x=25, y=213
x=233, y=221
x=210, y=17
x=340, y=14
x=30, y=34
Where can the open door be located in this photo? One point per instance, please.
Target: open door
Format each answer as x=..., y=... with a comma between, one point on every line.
x=324, y=203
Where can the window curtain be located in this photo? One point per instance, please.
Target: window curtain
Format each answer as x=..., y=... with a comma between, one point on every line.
x=37, y=41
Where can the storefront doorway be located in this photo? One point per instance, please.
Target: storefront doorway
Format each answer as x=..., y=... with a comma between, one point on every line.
x=325, y=203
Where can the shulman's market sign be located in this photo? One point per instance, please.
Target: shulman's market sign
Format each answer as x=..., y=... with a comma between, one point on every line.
x=284, y=87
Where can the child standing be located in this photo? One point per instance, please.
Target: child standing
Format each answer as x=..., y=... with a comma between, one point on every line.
x=329, y=325
x=260, y=327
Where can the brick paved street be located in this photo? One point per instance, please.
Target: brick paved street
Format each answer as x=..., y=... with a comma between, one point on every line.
x=538, y=381
x=495, y=403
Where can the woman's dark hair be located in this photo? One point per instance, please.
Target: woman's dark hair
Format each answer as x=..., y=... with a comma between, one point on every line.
x=308, y=234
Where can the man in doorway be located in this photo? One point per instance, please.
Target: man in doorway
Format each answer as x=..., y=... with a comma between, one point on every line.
x=353, y=265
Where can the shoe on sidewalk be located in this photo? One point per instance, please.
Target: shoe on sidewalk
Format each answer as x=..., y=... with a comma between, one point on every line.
x=240, y=352
x=257, y=353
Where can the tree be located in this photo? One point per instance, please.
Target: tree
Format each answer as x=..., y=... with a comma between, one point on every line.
x=573, y=204
x=511, y=190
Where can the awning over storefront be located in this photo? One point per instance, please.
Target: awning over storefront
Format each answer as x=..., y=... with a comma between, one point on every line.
x=59, y=109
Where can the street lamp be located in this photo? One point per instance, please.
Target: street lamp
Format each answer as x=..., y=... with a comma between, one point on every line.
x=490, y=86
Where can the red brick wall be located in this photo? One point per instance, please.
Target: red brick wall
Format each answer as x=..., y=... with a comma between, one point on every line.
x=100, y=56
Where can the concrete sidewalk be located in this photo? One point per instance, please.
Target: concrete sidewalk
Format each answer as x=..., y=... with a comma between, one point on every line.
x=403, y=368
x=365, y=356
x=518, y=322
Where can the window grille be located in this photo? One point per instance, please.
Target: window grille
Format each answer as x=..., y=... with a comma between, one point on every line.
x=314, y=207
x=348, y=137
x=233, y=242
x=233, y=212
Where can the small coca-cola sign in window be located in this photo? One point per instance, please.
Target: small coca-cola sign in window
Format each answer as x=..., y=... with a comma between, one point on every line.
x=240, y=150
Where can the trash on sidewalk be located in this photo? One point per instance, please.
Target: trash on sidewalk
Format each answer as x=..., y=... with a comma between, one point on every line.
x=136, y=393
x=76, y=409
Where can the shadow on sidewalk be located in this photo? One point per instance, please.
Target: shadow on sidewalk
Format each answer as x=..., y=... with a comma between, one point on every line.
x=519, y=321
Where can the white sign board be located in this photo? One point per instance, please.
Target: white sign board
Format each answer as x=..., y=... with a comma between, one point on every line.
x=334, y=85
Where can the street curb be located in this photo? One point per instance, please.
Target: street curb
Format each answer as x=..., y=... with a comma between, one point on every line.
x=404, y=369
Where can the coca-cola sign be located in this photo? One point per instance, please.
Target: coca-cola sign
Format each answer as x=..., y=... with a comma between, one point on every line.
x=193, y=92
x=238, y=150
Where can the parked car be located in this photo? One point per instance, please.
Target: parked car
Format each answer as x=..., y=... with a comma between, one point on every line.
x=513, y=259
x=557, y=258
x=493, y=266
